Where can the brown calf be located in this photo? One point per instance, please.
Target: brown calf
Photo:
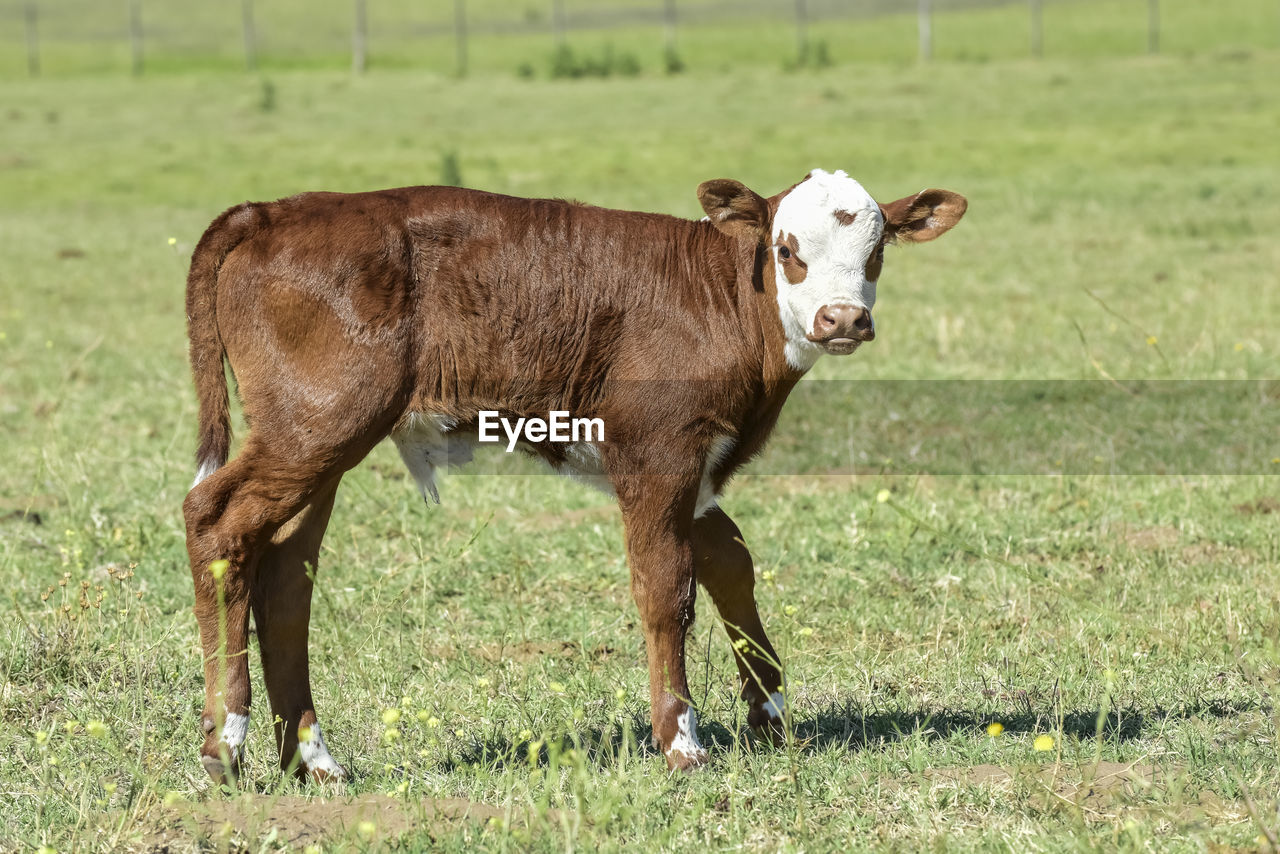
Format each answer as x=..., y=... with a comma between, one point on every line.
x=348, y=319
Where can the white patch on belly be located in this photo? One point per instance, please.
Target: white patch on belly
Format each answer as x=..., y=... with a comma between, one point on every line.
x=716, y=454
x=315, y=755
x=584, y=464
x=234, y=732
x=686, y=741
x=425, y=442
x=776, y=706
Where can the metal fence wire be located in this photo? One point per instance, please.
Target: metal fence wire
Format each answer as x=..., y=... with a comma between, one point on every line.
x=523, y=36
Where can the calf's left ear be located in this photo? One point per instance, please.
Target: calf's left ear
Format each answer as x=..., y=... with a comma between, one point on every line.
x=922, y=217
x=735, y=209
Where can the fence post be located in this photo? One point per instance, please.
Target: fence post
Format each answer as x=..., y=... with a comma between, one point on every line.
x=135, y=34
x=669, y=26
x=557, y=21
x=359, y=39
x=1153, y=26
x=460, y=35
x=33, y=40
x=1037, y=29
x=802, y=32
x=250, y=35
x=925, y=27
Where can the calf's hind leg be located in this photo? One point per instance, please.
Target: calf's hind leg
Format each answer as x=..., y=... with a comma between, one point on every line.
x=281, y=600
x=723, y=566
x=231, y=516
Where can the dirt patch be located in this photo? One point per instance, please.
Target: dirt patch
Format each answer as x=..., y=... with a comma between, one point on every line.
x=1101, y=778
x=524, y=651
x=1152, y=539
x=32, y=508
x=531, y=650
x=1217, y=553
x=248, y=822
x=29, y=516
x=1264, y=506
x=1098, y=791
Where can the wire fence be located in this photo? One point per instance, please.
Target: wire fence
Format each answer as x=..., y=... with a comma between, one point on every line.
x=561, y=37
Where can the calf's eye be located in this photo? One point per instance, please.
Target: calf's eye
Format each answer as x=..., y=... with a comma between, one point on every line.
x=784, y=253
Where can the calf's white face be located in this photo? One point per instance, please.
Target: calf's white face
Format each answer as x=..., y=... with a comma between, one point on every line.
x=825, y=239
x=825, y=232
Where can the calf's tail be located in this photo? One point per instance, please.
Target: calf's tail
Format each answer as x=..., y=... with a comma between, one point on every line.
x=207, y=350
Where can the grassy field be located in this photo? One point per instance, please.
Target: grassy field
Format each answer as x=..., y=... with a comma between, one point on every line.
x=1121, y=225
x=85, y=36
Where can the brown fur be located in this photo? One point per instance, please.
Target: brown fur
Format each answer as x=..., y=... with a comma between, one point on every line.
x=793, y=268
x=340, y=315
x=875, y=262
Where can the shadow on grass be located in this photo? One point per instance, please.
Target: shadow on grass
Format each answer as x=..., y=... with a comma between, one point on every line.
x=848, y=726
x=853, y=727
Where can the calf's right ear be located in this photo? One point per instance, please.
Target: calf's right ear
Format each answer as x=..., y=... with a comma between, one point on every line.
x=735, y=209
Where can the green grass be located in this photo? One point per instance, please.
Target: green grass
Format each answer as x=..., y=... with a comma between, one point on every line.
x=1135, y=619
x=78, y=37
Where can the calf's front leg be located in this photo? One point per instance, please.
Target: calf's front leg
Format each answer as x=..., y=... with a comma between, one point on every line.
x=662, y=581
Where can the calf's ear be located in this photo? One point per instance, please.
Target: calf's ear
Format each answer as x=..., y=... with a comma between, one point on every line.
x=922, y=217
x=735, y=209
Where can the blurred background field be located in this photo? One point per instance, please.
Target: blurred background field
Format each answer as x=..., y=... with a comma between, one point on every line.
x=521, y=36
x=1121, y=226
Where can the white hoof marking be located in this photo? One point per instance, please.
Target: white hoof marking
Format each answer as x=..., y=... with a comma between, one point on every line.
x=686, y=741
x=235, y=730
x=315, y=755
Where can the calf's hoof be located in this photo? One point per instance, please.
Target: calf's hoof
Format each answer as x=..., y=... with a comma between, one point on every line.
x=678, y=760
x=767, y=720
x=772, y=733
x=328, y=774
x=315, y=762
x=683, y=752
x=222, y=752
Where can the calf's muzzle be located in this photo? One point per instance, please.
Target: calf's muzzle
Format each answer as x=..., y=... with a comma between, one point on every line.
x=841, y=328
